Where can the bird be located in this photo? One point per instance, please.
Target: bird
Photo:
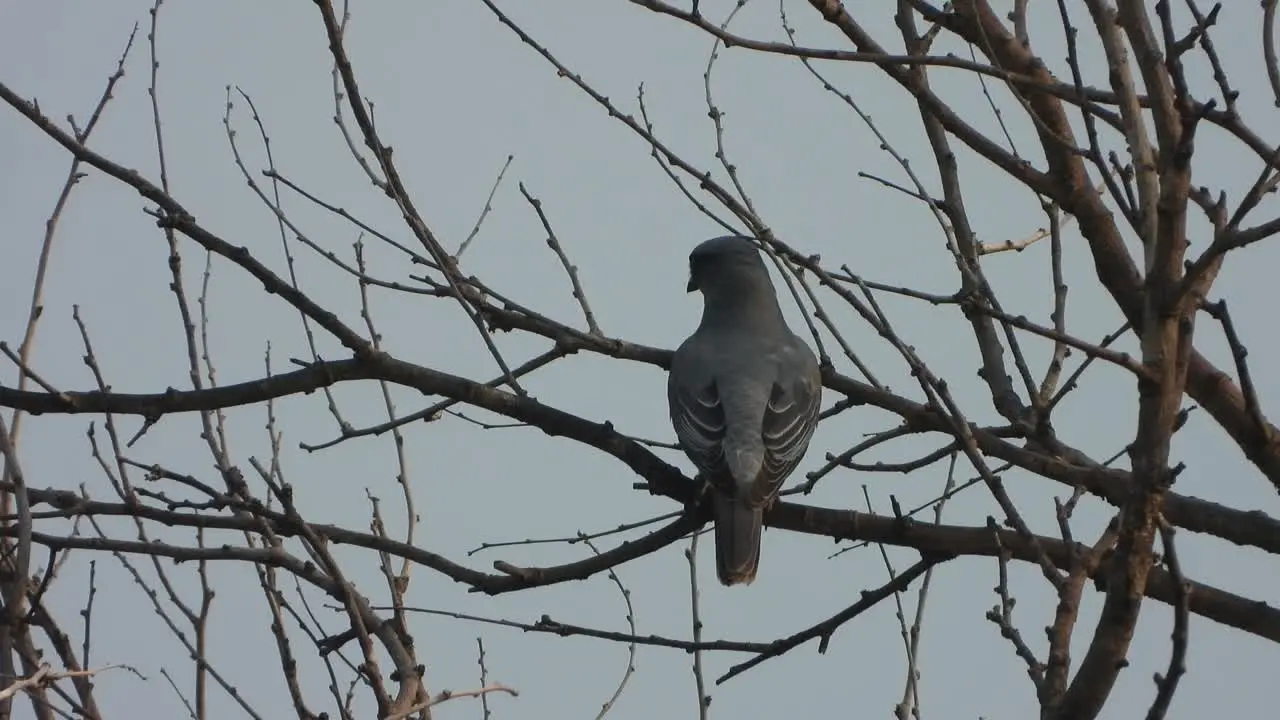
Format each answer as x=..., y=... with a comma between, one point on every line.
x=744, y=393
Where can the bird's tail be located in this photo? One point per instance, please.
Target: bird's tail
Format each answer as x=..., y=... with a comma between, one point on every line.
x=738, y=528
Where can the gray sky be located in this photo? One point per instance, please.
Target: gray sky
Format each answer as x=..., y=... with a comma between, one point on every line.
x=455, y=94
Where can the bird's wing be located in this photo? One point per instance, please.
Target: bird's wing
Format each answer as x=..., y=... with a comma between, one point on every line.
x=696, y=412
x=789, y=420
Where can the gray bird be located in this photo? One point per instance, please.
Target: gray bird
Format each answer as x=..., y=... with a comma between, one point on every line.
x=744, y=393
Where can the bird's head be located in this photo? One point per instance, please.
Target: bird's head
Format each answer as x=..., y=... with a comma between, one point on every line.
x=725, y=262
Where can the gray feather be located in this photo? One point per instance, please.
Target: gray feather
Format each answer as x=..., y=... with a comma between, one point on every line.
x=737, y=534
x=744, y=394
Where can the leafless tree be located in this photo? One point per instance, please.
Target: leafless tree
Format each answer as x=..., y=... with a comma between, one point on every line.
x=1111, y=168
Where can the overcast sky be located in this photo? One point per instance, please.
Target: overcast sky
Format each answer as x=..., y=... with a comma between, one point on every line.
x=456, y=93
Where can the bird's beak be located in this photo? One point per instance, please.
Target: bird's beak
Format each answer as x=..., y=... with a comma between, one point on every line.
x=693, y=285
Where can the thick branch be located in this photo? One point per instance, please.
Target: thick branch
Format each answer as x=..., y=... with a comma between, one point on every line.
x=1253, y=528
x=1252, y=616
x=1071, y=189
